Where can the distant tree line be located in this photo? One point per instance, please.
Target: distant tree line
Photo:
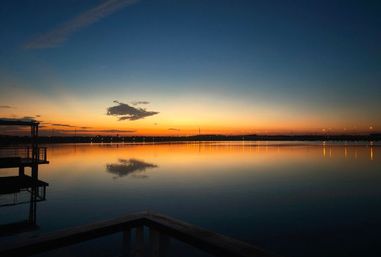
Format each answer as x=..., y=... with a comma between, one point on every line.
x=6, y=140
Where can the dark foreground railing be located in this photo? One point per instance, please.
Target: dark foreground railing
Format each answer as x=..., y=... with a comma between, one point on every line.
x=160, y=227
x=24, y=153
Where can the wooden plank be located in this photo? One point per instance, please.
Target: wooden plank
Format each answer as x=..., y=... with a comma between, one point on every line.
x=9, y=162
x=15, y=162
x=18, y=123
x=206, y=240
x=14, y=184
x=71, y=236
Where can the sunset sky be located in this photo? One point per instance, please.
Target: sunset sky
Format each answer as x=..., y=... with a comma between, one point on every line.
x=167, y=67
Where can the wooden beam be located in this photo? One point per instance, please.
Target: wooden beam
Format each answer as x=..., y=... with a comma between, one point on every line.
x=71, y=236
x=206, y=240
x=209, y=241
x=18, y=123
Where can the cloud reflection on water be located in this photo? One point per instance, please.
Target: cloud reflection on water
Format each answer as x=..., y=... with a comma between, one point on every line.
x=131, y=166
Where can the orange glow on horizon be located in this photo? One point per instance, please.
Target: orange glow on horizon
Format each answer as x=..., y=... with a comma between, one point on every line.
x=185, y=120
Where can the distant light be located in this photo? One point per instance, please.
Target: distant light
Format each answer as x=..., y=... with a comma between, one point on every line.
x=370, y=127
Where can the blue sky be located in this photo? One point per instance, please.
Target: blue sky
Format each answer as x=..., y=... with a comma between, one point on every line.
x=303, y=60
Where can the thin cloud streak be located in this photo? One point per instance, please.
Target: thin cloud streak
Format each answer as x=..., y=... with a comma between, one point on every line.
x=60, y=34
x=82, y=132
x=139, y=102
x=62, y=125
x=67, y=125
x=104, y=131
x=5, y=106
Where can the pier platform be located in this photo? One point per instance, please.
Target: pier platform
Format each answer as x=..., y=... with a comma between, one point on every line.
x=15, y=184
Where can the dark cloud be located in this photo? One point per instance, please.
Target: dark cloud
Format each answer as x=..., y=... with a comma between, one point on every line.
x=29, y=118
x=139, y=102
x=15, y=130
x=131, y=166
x=104, y=131
x=174, y=129
x=62, y=125
x=127, y=112
x=67, y=125
x=59, y=35
x=84, y=130
x=5, y=106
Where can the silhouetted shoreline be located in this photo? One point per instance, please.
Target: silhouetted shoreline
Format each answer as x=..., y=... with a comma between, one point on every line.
x=130, y=139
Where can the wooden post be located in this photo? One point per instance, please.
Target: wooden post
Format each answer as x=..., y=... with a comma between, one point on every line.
x=126, y=247
x=163, y=245
x=34, y=171
x=34, y=134
x=159, y=243
x=139, y=250
x=44, y=193
x=44, y=154
x=21, y=171
x=33, y=206
x=154, y=242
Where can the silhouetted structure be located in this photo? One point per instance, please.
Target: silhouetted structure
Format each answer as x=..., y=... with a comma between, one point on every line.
x=15, y=185
x=33, y=125
x=161, y=229
x=21, y=158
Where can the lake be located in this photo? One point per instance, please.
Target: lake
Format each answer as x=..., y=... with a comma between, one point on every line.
x=291, y=198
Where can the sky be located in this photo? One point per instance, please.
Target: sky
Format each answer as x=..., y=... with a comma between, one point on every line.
x=177, y=67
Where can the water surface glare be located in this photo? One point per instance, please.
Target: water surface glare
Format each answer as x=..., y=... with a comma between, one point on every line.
x=292, y=198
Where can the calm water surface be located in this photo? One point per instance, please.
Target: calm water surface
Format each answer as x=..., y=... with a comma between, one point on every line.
x=292, y=198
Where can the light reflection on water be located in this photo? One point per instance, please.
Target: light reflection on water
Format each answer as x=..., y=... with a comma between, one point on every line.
x=294, y=198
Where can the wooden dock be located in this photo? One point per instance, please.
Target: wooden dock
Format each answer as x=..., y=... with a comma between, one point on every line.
x=15, y=162
x=22, y=157
x=15, y=184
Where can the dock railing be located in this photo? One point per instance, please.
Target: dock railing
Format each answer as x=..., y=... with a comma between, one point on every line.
x=27, y=153
x=160, y=228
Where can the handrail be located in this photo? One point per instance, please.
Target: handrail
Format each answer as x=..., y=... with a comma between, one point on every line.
x=70, y=236
x=207, y=240
x=25, y=152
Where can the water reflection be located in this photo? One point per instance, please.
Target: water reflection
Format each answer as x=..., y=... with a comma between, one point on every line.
x=349, y=151
x=30, y=223
x=130, y=166
x=324, y=150
x=296, y=184
x=18, y=190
